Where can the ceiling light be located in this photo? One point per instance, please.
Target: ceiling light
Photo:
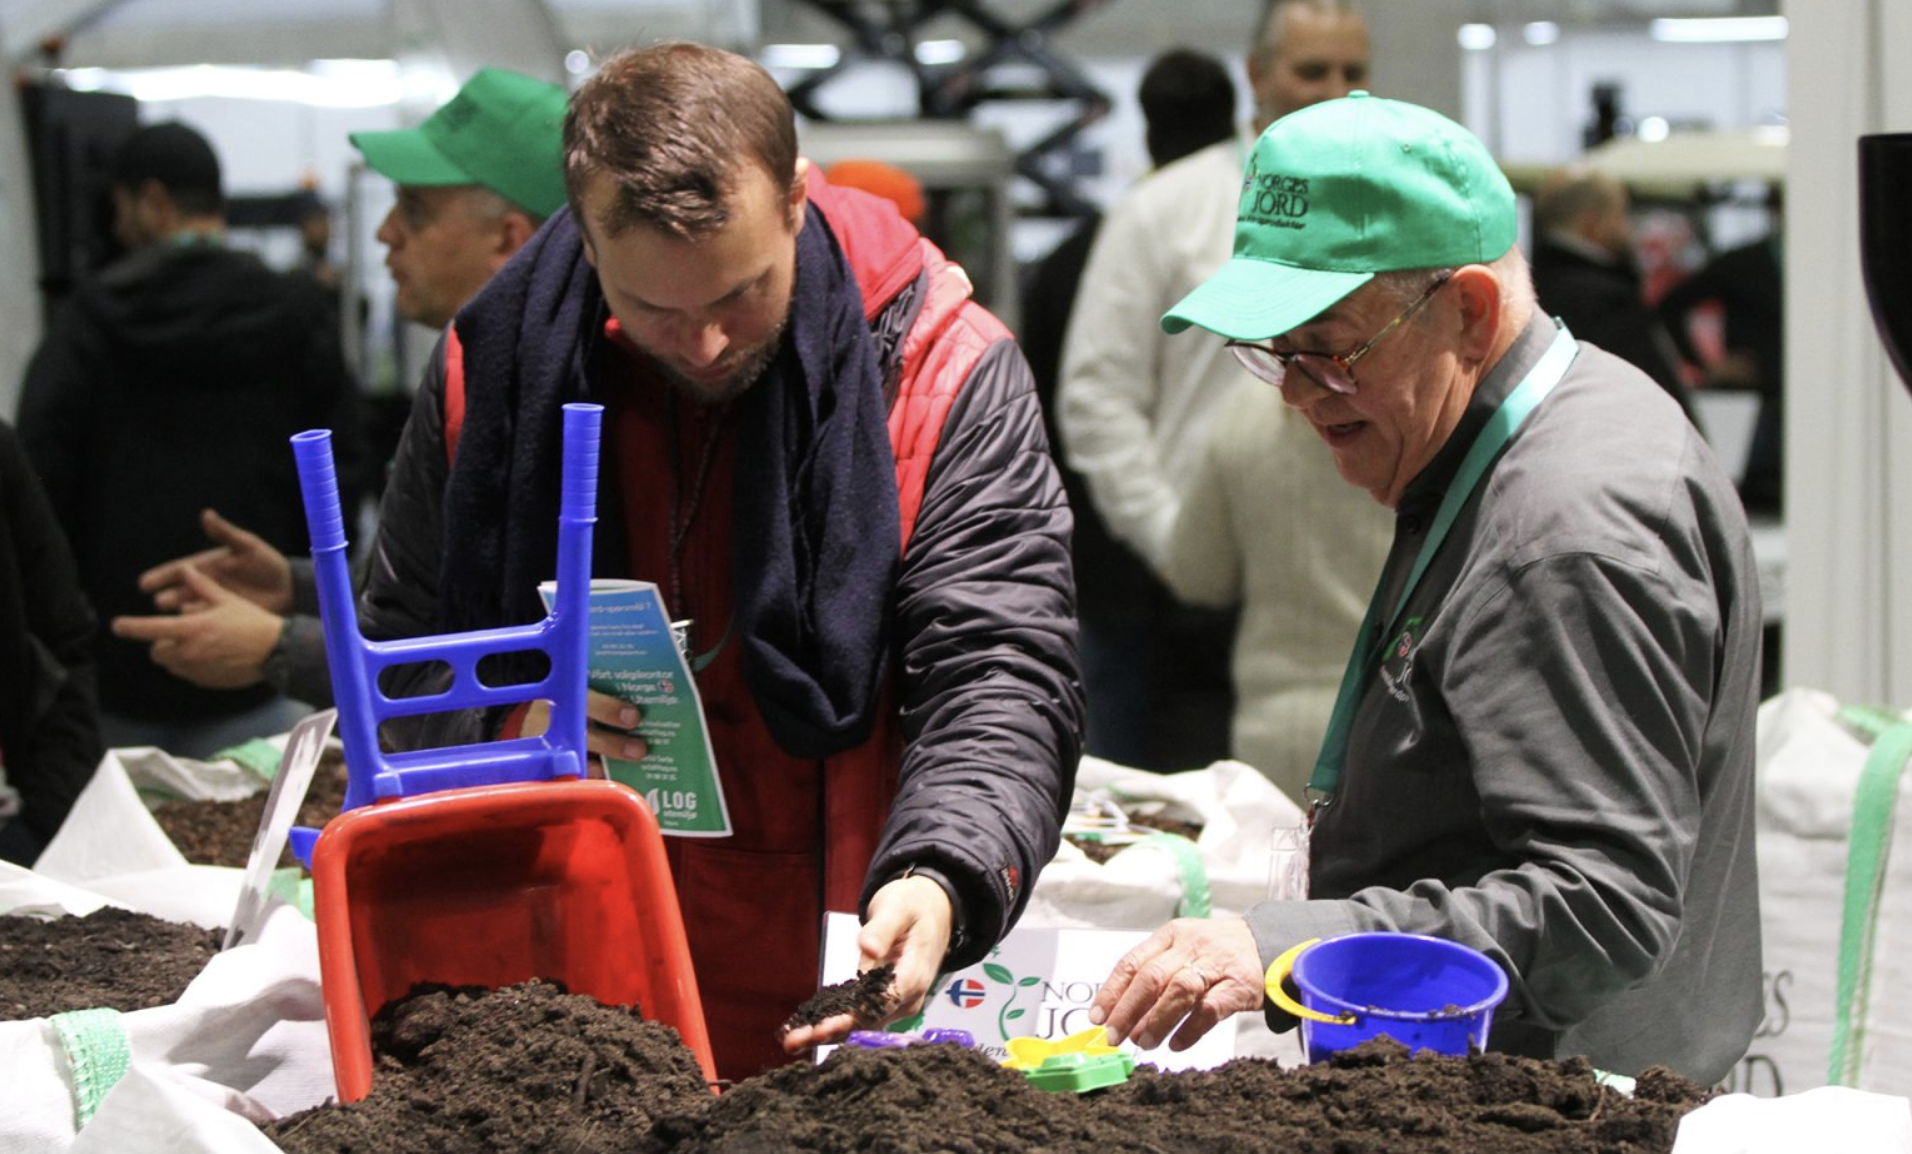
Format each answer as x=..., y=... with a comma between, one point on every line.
x=1477, y=37
x=1718, y=29
x=810, y=56
x=328, y=84
x=933, y=52
x=1541, y=33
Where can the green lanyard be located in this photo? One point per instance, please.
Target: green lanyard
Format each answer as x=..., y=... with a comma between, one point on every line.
x=1500, y=428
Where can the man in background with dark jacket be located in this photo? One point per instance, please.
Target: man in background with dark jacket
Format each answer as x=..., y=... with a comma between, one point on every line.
x=831, y=461
x=475, y=181
x=170, y=385
x=1585, y=274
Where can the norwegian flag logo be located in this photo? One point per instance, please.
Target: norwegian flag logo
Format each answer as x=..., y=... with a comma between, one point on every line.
x=966, y=993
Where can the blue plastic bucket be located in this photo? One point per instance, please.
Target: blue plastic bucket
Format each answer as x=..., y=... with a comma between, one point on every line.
x=1426, y=993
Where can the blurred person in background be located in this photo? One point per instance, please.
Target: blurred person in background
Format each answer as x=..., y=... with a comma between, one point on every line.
x=1585, y=274
x=168, y=385
x=49, y=731
x=1747, y=284
x=1135, y=411
x=475, y=181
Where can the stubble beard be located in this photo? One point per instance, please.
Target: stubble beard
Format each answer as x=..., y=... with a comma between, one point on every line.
x=735, y=383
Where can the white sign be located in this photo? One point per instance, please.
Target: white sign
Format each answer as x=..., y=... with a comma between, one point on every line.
x=302, y=751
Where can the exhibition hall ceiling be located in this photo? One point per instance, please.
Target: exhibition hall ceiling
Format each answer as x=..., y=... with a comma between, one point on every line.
x=134, y=33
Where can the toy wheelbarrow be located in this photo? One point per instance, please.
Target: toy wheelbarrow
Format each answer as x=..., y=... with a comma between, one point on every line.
x=487, y=864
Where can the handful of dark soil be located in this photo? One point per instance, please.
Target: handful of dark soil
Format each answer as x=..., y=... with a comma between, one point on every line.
x=527, y=1068
x=221, y=832
x=111, y=958
x=865, y=997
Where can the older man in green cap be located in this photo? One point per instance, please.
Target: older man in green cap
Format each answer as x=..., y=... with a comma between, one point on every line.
x=475, y=181
x=1543, y=744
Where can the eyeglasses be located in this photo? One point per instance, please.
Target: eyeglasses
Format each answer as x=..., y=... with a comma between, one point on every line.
x=1331, y=372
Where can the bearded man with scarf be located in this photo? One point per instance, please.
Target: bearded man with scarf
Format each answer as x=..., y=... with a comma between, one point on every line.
x=827, y=457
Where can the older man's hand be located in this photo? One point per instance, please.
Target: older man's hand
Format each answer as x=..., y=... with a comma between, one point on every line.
x=1195, y=971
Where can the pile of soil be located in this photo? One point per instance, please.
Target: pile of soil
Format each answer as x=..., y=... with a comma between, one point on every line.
x=528, y=1068
x=221, y=832
x=111, y=958
x=531, y=1069
x=1376, y=1098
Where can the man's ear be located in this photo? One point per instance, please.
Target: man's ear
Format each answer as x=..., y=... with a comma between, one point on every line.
x=799, y=196
x=518, y=228
x=1478, y=292
x=1256, y=63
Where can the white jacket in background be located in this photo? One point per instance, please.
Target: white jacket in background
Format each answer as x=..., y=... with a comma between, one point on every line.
x=1268, y=523
x=1136, y=404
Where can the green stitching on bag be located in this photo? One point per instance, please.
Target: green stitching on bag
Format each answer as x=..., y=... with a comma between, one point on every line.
x=97, y=1050
x=1874, y=803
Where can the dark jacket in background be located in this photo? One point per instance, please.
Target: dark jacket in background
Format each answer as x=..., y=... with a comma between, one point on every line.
x=1603, y=304
x=1749, y=286
x=169, y=385
x=1111, y=579
x=49, y=736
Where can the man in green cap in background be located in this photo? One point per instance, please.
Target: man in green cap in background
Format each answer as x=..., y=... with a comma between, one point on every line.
x=475, y=181
x=1543, y=746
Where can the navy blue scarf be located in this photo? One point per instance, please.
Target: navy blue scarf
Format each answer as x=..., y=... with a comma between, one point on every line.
x=815, y=527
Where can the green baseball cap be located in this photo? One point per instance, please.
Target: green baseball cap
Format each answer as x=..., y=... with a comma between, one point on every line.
x=504, y=131
x=1339, y=191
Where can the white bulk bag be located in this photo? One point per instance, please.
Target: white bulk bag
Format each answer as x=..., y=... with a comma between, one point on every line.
x=1811, y=763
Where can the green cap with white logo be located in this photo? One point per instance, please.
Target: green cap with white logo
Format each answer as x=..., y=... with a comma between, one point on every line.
x=1339, y=191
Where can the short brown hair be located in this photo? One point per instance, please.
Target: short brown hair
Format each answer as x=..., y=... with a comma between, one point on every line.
x=668, y=125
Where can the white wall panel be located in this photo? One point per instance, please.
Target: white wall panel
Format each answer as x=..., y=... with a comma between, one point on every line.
x=1849, y=479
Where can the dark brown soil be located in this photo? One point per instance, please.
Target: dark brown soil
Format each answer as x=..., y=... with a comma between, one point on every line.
x=221, y=832
x=866, y=997
x=530, y=1069
x=1101, y=851
x=111, y=958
